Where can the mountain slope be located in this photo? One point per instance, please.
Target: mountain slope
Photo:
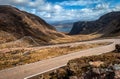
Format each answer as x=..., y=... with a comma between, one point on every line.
x=15, y=24
x=108, y=24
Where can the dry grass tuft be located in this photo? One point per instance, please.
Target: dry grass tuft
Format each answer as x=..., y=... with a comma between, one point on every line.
x=20, y=57
x=75, y=38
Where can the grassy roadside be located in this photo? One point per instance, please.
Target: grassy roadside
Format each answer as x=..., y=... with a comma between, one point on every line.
x=21, y=57
x=75, y=38
x=28, y=41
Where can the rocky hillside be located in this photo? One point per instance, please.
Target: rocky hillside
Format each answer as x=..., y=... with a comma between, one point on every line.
x=104, y=66
x=16, y=24
x=108, y=24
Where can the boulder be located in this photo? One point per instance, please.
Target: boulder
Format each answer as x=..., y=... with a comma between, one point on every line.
x=117, y=47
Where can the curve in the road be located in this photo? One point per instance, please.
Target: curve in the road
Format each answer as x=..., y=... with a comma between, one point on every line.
x=25, y=71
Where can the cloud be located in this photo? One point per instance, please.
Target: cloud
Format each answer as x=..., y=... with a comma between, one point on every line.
x=117, y=8
x=24, y=3
x=14, y=2
x=79, y=2
x=62, y=11
x=102, y=6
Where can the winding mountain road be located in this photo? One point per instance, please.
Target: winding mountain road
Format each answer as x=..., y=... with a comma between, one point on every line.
x=29, y=70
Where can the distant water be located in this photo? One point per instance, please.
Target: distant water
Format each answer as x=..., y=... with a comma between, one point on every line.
x=64, y=29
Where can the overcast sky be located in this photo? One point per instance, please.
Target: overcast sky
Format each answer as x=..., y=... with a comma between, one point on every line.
x=65, y=10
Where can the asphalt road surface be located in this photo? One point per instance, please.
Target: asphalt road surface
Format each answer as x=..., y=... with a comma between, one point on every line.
x=28, y=70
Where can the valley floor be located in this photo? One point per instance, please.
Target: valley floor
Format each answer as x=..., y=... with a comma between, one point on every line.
x=23, y=71
x=25, y=56
x=20, y=52
x=75, y=38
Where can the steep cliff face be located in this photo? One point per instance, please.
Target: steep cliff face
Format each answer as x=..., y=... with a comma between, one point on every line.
x=15, y=24
x=83, y=27
x=108, y=24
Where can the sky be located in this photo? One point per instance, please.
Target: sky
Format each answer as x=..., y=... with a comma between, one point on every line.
x=66, y=10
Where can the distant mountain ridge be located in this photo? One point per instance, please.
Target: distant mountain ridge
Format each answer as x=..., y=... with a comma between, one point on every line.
x=108, y=24
x=15, y=24
x=63, y=27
